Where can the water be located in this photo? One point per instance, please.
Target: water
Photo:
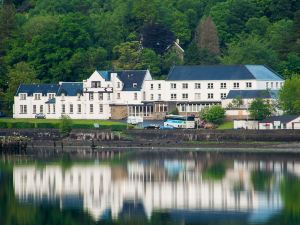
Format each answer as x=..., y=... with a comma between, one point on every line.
x=152, y=188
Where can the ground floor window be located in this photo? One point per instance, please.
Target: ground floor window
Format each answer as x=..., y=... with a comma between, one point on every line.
x=79, y=108
x=91, y=108
x=23, y=109
x=63, y=108
x=41, y=108
x=34, y=109
x=101, y=108
x=71, y=108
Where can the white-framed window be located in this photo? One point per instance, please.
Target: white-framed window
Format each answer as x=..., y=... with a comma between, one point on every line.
x=197, y=85
x=91, y=108
x=159, y=86
x=135, y=96
x=276, y=84
x=50, y=96
x=53, y=109
x=101, y=108
x=23, y=109
x=108, y=96
x=63, y=108
x=185, y=86
x=118, y=85
x=223, y=95
x=96, y=84
x=271, y=84
x=173, y=85
x=182, y=107
x=71, y=108
x=223, y=85
x=151, y=96
x=91, y=96
x=48, y=109
x=281, y=84
x=173, y=96
x=210, y=95
x=267, y=85
x=151, y=86
x=100, y=96
x=185, y=96
x=118, y=95
x=34, y=109
x=79, y=108
x=22, y=96
x=37, y=96
x=159, y=97
x=248, y=85
x=41, y=109
x=197, y=96
x=236, y=85
x=210, y=85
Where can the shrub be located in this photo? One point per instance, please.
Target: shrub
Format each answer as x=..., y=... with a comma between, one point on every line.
x=65, y=125
x=175, y=111
x=3, y=125
x=22, y=125
x=82, y=126
x=214, y=114
x=47, y=125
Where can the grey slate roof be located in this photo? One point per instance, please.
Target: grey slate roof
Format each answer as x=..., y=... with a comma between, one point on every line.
x=70, y=88
x=249, y=94
x=222, y=72
x=129, y=77
x=282, y=119
x=37, y=88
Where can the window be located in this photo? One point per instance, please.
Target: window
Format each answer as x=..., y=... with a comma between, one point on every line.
x=159, y=86
x=79, y=108
x=281, y=84
x=100, y=108
x=91, y=108
x=37, y=96
x=276, y=84
x=183, y=108
x=173, y=85
x=108, y=96
x=71, y=108
x=185, y=96
x=96, y=84
x=22, y=96
x=100, y=96
x=236, y=85
x=197, y=96
x=223, y=95
x=118, y=95
x=41, y=109
x=50, y=96
x=53, y=109
x=135, y=96
x=151, y=86
x=267, y=85
x=151, y=97
x=248, y=84
x=223, y=86
x=185, y=86
x=34, y=109
x=173, y=96
x=159, y=97
x=48, y=108
x=78, y=96
x=197, y=85
x=210, y=95
x=91, y=96
x=210, y=86
x=23, y=109
x=118, y=85
x=271, y=84
x=63, y=108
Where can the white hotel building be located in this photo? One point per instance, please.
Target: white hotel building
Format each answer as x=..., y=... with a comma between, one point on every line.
x=115, y=94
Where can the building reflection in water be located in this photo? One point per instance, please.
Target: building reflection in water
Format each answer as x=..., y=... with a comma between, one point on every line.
x=156, y=185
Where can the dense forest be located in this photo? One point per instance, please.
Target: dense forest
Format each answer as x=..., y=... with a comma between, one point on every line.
x=50, y=41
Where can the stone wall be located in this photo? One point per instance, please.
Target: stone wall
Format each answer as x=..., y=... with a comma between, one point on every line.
x=118, y=112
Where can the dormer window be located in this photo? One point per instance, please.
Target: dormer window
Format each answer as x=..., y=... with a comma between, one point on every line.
x=134, y=85
x=37, y=96
x=96, y=84
x=118, y=85
x=22, y=96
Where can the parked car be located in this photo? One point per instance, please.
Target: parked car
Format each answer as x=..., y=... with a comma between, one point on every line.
x=2, y=114
x=152, y=127
x=40, y=116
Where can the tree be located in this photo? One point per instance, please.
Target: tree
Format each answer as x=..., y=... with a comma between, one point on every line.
x=237, y=102
x=260, y=109
x=207, y=36
x=65, y=125
x=289, y=96
x=21, y=73
x=214, y=114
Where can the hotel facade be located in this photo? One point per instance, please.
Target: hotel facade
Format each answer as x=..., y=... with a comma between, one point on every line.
x=119, y=94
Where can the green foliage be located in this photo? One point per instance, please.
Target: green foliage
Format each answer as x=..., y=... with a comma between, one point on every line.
x=290, y=194
x=260, y=109
x=65, y=125
x=175, y=111
x=214, y=114
x=289, y=96
x=237, y=102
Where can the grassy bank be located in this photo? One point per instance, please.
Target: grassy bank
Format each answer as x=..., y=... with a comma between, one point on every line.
x=54, y=123
x=226, y=125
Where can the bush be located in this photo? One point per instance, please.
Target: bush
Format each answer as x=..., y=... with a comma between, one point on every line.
x=22, y=125
x=47, y=125
x=214, y=114
x=3, y=125
x=65, y=125
x=82, y=126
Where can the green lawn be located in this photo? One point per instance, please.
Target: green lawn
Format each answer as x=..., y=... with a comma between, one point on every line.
x=226, y=125
x=55, y=121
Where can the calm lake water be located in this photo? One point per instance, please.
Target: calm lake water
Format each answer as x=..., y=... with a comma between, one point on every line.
x=152, y=188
